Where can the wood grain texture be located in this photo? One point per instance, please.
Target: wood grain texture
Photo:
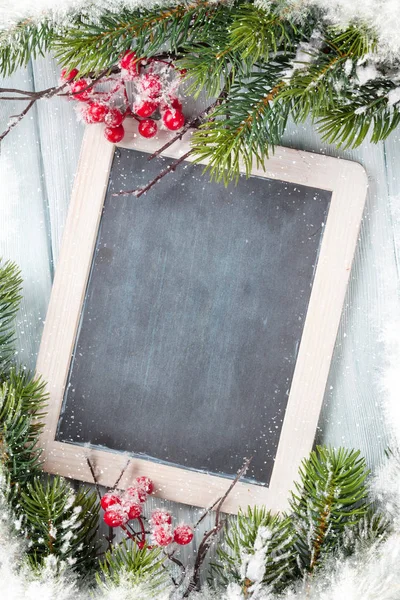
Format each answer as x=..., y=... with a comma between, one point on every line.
x=352, y=412
x=346, y=181
x=60, y=140
x=24, y=231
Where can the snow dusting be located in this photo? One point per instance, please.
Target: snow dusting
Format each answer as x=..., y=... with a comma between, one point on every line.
x=381, y=16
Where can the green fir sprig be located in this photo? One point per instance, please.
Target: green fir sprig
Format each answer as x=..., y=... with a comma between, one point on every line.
x=252, y=530
x=26, y=40
x=60, y=523
x=127, y=565
x=54, y=520
x=331, y=496
x=267, y=65
x=10, y=297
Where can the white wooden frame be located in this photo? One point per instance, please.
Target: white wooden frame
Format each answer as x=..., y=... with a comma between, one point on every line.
x=348, y=183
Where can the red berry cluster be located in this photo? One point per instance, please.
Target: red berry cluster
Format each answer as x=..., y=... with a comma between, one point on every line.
x=155, y=84
x=162, y=532
x=120, y=507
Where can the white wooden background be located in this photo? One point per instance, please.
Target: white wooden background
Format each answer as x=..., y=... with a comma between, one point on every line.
x=37, y=165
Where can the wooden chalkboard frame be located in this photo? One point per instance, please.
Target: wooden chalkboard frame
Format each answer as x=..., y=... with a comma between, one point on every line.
x=348, y=183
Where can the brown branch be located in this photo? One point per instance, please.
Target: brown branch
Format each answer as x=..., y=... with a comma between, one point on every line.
x=207, y=512
x=182, y=567
x=178, y=136
x=96, y=483
x=194, y=122
x=140, y=191
x=16, y=91
x=128, y=462
x=17, y=119
x=19, y=98
x=210, y=535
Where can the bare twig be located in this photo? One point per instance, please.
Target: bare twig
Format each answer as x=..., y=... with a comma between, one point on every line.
x=92, y=83
x=210, y=535
x=178, y=136
x=194, y=122
x=128, y=462
x=33, y=97
x=140, y=191
x=207, y=512
x=182, y=567
x=19, y=98
x=16, y=91
x=96, y=483
x=17, y=119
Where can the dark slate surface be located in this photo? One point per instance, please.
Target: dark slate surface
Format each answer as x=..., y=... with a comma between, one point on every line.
x=193, y=316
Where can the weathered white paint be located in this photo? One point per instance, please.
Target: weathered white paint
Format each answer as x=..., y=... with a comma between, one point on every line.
x=348, y=183
x=352, y=414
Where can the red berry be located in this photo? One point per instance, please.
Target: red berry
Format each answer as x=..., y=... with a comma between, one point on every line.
x=146, y=108
x=114, y=134
x=183, y=535
x=176, y=104
x=79, y=85
x=69, y=76
x=109, y=500
x=162, y=535
x=129, y=62
x=96, y=112
x=135, y=495
x=114, y=117
x=173, y=119
x=134, y=511
x=145, y=483
x=183, y=72
x=151, y=84
x=141, y=544
x=173, y=102
x=160, y=517
x=147, y=128
x=115, y=517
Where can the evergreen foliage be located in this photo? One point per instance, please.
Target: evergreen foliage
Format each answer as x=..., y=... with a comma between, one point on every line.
x=241, y=541
x=331, y=496
x=24, y=41
x=60, y=523
x=22, y=401
x=40, y=507
x=264, y=66
x=10, y=296
x=130, y=566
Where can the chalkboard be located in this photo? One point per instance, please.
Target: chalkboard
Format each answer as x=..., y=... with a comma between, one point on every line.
x=193, y=327
x=193, y=317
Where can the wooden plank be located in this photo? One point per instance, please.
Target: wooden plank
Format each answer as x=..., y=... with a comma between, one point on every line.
x=346, y=180
x=60, y=143
x=352, y=413
x=24, y=235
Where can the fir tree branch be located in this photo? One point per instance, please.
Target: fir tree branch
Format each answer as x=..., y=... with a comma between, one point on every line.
x=244, y=127
x=26, y=40
x=62, y=524
x=243, y=538
x=10, y=297
x=256, y=33
x=132, y=566
x=94, y=46
x=331, y=496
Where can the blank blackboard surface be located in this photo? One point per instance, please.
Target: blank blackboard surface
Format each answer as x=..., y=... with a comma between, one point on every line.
x=193, y=316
